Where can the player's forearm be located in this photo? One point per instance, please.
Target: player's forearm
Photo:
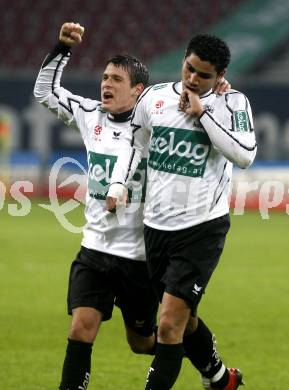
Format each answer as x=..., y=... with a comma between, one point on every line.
x=132, y=149
x=49, y=77
x=126, y=165
x=238, y=147
x=123, y=170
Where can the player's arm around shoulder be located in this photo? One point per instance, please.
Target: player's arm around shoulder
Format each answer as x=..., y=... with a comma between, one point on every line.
x=134, y=146
x=230, y=128
x=241, y=115
x=242, y=127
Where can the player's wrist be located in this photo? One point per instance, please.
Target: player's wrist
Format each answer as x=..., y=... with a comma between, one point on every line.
x=117, y=190
x=62, y=48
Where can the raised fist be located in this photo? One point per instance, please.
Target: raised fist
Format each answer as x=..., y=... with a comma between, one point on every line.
x=71, y=34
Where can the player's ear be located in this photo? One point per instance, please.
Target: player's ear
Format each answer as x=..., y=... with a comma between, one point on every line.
x=139, y=89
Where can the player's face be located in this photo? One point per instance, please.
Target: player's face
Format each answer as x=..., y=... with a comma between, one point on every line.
x=117, y=94
x=199, y=76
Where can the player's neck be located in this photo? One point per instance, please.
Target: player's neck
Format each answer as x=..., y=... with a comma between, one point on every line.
x=122, y=117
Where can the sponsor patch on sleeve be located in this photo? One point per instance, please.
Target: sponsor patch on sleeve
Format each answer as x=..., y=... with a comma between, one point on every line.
x=241, y=121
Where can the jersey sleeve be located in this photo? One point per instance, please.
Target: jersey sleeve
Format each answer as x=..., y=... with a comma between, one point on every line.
x=230, y=129
x=48, y=91
x=135, y=145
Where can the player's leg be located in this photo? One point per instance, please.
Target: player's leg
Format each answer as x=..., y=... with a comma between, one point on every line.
x=195, y=251
x=77, y=363
x=164, y=370
x=174, y=312
x=199, y=342
x=90, y=301
x=138, y=303
x=140, y=344
x=200, y=347
x=85, y=324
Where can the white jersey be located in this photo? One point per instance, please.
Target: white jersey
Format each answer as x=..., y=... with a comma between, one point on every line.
x=103, y=134
x=190, y=160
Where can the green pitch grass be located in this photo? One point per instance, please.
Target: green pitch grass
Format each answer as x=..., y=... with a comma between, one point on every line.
x=246, y=305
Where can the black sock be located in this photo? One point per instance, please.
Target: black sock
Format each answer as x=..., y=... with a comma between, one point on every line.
x=222, y=382
x=76, y=366
x=201, y=350
x=165, y=367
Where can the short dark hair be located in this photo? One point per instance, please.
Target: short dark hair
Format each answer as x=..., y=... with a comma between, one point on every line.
x=210, y=48
x=138, y=72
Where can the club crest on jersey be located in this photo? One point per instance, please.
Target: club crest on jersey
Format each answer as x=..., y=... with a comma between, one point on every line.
x=97, y=133
x=158, y=108
x=208, y=108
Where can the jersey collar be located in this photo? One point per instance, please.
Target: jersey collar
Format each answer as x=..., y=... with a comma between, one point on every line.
x=122, y=117
x=177, y=87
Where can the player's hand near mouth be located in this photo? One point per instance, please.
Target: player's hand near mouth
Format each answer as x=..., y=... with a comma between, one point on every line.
x=190, y=103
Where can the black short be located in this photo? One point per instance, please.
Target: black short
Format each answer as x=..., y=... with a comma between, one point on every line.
x=100, y=280
x=181, y=262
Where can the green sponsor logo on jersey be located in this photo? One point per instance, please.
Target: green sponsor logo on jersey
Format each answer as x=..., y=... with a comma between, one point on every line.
x=100, y=167
x=241, y=121
x=179, y=151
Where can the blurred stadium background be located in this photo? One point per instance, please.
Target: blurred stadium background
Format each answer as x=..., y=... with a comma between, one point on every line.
x=34, y=269
x=257, y=32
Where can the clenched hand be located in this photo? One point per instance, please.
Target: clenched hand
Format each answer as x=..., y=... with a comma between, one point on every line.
x=71, y=34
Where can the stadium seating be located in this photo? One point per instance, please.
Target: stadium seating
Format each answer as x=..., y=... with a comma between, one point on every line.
x=147, y=28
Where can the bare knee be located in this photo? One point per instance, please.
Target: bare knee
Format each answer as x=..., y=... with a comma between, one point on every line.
x=140, y=344
x=174, y=316
x=169, y=331
x=85, y=324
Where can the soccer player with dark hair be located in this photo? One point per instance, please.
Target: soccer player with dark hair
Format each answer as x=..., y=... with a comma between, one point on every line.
x=194, y=136
x=110, y=267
